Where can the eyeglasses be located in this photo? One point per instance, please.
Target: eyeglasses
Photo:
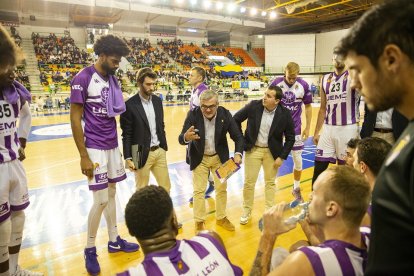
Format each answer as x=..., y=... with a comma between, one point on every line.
x=211, y=107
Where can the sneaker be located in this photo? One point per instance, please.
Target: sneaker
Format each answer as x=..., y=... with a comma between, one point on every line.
x=24, y=272
x=122, y=245
x=191, y=200
x=226, y=224
x=245, y=219
x=91, y=261
x=297, y=195
x=210, y=189
x=200, y=226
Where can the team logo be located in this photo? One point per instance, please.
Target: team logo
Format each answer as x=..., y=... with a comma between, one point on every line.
x=4, y=209
x=289, y=97
x=104, y=94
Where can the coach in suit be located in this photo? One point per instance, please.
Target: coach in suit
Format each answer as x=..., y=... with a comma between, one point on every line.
x=267, y=123
x=143, y=124
x=205, y=130
x=387, y=125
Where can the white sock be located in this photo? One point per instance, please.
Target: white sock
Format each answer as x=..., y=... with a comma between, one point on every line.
x=13, y=263
x=296, y=184
x=110, y=213
x=100, y=200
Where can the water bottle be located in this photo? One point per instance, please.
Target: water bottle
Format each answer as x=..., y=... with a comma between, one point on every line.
x=294, y=212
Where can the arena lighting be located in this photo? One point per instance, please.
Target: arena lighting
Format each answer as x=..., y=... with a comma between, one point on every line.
x=207, y=4
x=179, y=1
x=193, y=2
x=191, y=30
x=242, y=9
x=253, y=11
x=263, y=13
x=260, y=36
x=273, y=15
x=219, y=5
x=231, y=7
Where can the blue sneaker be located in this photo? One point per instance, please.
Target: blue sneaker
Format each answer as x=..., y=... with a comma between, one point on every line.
x=210, y=189
x=122, y=245
x=91, y=261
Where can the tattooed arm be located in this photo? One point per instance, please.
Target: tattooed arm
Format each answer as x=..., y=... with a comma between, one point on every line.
x=273, y=226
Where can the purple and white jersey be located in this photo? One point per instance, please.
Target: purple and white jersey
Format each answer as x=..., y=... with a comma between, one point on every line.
x=202, y=255
x=334, y=257
x=9, y=141
x=195, y=95
x=89, y=88
x=293, y=97
x=342, y=102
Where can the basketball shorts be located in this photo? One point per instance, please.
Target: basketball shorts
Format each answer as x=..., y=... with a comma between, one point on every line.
x=14, y=195
x=110, y=168
x=332, y=143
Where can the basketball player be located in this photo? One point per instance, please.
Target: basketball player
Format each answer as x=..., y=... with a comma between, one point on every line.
x=339, y=115
x=14, y=196
x=150, y=217
x=338, y=203
x=196, y=80
x=295, y=93
x=96, y=99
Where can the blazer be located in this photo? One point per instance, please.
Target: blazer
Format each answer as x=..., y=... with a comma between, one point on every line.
x=282, y=126
x=136, y=129
x=398, y=121
x=224, y=123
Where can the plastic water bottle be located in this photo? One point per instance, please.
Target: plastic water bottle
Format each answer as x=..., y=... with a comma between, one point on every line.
x=294, y=212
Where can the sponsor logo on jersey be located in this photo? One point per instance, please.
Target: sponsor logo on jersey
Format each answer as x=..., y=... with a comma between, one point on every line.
x=77, y=87
x=10, y=125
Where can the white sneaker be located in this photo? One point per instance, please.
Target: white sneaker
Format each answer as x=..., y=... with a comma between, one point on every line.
x=24, y=272
x=245, y=218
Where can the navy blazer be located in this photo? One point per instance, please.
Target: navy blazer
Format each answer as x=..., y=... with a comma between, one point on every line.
x=136, y=129
x=282, y=126
x=398, y=121
x=224, y=123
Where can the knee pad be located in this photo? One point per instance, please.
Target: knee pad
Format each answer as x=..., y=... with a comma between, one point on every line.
x=297, y=159
x=17, y=221
x=5, y=233
x=100, y=198
x=111, y=190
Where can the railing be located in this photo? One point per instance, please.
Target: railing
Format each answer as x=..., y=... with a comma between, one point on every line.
x=303, y=69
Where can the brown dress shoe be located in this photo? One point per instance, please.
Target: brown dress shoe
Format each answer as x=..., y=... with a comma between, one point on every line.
x=200, y=226
x=225, y=223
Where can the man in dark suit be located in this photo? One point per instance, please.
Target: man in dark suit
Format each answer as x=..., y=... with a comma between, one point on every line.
x=267, y=123
x=387, y=125
x=143, y=124
x=205, y=130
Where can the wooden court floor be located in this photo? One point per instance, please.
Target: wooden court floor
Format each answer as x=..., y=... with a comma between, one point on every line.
x=55, y=236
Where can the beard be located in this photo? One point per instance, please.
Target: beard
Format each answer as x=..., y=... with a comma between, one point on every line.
x=108, y=69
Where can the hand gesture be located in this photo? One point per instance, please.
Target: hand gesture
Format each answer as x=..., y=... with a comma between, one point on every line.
x=191, y=134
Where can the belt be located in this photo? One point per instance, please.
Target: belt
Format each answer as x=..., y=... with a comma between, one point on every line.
x=261, y=147
x=209, y=155
x=153, y=148
x=383, y=130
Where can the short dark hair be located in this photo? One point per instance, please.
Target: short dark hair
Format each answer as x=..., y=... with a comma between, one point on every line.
x=10, y=54
x=278, y=91
x=373, y=151
x=147, y=211
x=394, y=24
x=111, y=45
x=145, y=72
x=351, y=191
x=353, y=143
x=200, y=71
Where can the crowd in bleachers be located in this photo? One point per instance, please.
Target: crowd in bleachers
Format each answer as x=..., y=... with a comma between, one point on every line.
x=58, y=50
x=143, y=54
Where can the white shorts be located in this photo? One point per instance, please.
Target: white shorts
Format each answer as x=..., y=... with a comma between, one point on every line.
x=332, y=143
x=14, y=195
x=110, y=168
x=298, y=145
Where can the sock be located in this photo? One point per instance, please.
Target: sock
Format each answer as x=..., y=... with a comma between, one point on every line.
x=296, y=184
x=110, y=213
x=100, y=200
x=13, y=263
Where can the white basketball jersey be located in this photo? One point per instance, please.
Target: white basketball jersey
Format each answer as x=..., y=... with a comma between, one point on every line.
x=9, y=142
x=342, y=102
